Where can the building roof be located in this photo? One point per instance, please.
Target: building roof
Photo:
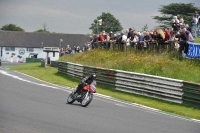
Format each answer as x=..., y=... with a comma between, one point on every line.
x=38, y=40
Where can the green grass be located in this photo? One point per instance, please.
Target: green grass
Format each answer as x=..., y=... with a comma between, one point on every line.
x=197, y=40
x=51, y=75
x=159, y=64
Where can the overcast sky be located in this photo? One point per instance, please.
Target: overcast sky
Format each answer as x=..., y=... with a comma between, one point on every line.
x=76, y=16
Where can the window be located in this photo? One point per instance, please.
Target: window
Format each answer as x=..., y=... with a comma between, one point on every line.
x=53, y=54
x=30, y=50
x=10, y=48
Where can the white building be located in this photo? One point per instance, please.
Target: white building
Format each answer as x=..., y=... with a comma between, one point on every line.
x=17, y=46
x=19, y=54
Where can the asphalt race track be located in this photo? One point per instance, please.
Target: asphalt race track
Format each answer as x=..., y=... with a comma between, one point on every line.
x=28, y=105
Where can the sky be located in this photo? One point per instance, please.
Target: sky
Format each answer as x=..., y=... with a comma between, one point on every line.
x=76, y=16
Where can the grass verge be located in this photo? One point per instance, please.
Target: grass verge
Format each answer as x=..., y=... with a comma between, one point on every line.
x=197, y=40
x=51, y=75
x=170, y=65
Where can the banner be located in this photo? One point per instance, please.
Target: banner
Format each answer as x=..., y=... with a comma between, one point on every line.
x=193, y=50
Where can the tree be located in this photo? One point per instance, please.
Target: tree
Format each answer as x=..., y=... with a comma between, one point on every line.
x=145, y=28
x=43, y=31
x=175, y=9
x=11, y=27
x=109, y=23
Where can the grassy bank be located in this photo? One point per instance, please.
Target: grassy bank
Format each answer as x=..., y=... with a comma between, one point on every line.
x=51, y=75
x=169, y=65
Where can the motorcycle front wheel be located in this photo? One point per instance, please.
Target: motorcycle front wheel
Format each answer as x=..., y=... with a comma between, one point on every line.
x=70, y=99
x=86, y=100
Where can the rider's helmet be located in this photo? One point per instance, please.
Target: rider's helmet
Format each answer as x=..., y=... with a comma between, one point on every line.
x=92, y=76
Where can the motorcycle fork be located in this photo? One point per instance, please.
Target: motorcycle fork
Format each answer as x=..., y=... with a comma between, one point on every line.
x=84, y=96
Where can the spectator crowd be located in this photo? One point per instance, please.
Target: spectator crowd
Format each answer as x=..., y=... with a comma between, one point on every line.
x=178, y=34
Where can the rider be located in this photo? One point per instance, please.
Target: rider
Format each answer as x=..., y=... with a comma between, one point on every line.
x=85, y=81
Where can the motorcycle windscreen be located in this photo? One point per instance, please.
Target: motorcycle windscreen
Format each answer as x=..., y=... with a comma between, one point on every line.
x=94, y=82
x=92, y=88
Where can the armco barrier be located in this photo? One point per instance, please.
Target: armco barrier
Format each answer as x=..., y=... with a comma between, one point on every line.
x=151, y=86
x=71, y=69
x=54, y=64
x=31, y=60
x=191, y=94
x=104, y=76
x=176, y=91
x=42, y=63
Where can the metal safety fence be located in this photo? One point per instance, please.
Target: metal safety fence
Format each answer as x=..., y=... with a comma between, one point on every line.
x=168, y=89
x=151, y=46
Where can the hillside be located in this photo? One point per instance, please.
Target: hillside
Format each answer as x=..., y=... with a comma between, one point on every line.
x=170, y=65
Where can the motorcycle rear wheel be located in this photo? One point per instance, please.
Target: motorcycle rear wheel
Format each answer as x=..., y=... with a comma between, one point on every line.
x=86, y=100
x=70, y=99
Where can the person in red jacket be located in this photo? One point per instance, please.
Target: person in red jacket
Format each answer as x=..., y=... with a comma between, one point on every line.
x=102, y=40
x=167, y=34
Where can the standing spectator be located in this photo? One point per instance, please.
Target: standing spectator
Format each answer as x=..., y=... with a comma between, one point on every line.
x=141, y=40
x=197, y=14
x=188, y=27
x=78, y=49
x=86, y=47
x=102, y=40
x=174, y=39
x=182, y=25
x=129, y=36
x=130, y=33
x=167, y=34
x=94, y=41
x=160, y=36
x=62, y=52
x=118, y=38
x=123, y=41
x=176, y=18
x=112, y=37
x=161, y=39
x=75, y=49
x=194, y=25
x=154, y=37
x=113, y=40
x=91, y=38
x=198, y=27
x=146, y=39
x=186, y=37
x=198, y=24
x=69, y=49
x=135, y=39
x=108, y=40
x=124, y=37
x=176, y=26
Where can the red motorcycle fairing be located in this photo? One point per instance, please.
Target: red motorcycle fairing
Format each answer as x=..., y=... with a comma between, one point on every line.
x=92, y=88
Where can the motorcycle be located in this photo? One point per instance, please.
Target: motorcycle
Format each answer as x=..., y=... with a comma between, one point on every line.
x=85, y=96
